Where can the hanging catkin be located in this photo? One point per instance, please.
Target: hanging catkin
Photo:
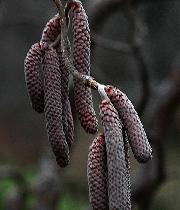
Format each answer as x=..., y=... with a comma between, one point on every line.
x=127, y=157
x=49, y=35
x=81, y=61
x=70, y=123
x=32, y=70
x=51, y=30
x=67, y=118
x=97, y=174
x=53, y=107
x=132, y=124
x=33, y=65
x=118, y=173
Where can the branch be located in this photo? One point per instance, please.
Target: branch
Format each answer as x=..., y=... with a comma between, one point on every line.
x=111, y=44
x=165, y=104
x=87, y=80
x=136, y=34
x=102, y=11
x=105, y=9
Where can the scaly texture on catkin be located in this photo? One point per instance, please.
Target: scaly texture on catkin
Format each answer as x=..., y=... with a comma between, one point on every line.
x=81, y=61
x=118, y=172
x=49, y=35
x=127, y=157
x=53, y=107
x=97, y=174
x=51, y=30
x=32, y=70
x=67, y=118
x=33, y=65
x=136, y=134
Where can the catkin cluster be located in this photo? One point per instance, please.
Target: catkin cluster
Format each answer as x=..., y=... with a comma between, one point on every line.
x=108, y=177
x=115, y=180
x=47, y=80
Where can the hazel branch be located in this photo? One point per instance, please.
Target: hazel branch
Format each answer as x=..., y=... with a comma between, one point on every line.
x=63, y=38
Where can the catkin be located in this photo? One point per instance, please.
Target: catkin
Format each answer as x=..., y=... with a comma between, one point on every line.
x=118, y=172
x=136, y=134
x=127, y=158
x=97, y=174
x=70, y=125
x=51, y=30
x=53, y=107
x=49, y=35
x=33, y=65
x=81, y=61
x=32, y=70
x=67, y=118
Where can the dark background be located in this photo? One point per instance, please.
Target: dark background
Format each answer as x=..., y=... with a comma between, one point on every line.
x=23, y=138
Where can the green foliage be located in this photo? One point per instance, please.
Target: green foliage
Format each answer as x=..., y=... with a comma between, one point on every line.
x=167, y=197
x=69, y=202
x=4, y=186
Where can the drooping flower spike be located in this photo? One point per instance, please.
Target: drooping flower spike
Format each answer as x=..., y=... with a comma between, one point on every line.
x=97, y=174
x=118, y=170
x=53, y=107
x=33, y=76
x=81, y=61
x=136, y=134
x=50, y=33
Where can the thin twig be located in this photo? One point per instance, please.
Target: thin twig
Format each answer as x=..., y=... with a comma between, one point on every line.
x=136, y=33
x=87, y=80
x=101, y=12
x=111, y=44
x=161, y=113
x=105, y=9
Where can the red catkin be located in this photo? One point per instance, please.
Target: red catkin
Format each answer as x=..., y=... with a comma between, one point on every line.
x=51, y=30
x=97, y=174
x=67, y=118
x=81, y=61
x=49, y=35
x=53, y=107
x=118, y=172
x=70, y=125
x=136, y=134
x=32, y=70
x=33, y=65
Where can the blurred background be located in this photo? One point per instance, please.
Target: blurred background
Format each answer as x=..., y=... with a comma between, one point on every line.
x=136, y=47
